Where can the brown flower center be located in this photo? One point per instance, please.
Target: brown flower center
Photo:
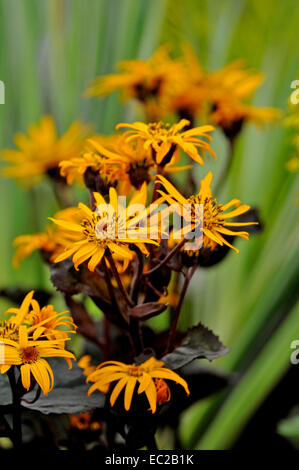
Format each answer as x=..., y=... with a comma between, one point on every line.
x=29, y=354
x=211, y=211
x=139, y=173
x=159, y=129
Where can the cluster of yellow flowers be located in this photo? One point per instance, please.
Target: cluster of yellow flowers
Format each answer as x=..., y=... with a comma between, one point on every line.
x=29, y=336
x=126, y=164
x=76, y=235
x=164, y=85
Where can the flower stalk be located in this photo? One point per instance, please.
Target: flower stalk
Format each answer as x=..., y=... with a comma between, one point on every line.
x=16, y=414
x=178, y=309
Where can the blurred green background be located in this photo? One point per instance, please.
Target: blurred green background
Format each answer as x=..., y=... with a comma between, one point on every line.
x=50, y=49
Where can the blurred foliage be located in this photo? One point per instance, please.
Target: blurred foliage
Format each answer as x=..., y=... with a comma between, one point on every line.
x=49, y=52
x=289, y=427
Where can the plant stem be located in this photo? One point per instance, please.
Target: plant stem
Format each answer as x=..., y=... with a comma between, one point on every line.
x=111, y=290
x=137, y=277
x=226, y=167
x=16, y=415
x=106, y=348
x=136, y=335
x=166, y=259
x=174, y=292
x=109, y=284
x=134, y=323
x=61, y=192
x=151, y=443
x=118, y=280
x=176, y=317
x=92, y=201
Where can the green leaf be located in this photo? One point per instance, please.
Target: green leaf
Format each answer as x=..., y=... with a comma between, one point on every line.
x=199, y=343
x=289, y=427
x=256, y=384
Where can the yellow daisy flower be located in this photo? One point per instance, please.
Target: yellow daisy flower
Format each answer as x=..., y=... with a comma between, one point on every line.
x=164, y=139
x=235, y=78
x=26, y=244
x=128, y=376
x=30, y=356
x=215, y=223
x=74, y=168
x=226, y=91
x=189, y=95
x=140, y=79
x=131, y=163
x=40, y=152
x=42, y=322
x=220, y=95
x=15, y=320
x=230, y=114
x=97, y=231
x=47, y=322
x=51, y=242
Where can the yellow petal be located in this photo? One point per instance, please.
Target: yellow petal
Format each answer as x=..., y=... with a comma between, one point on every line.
x=225, y=231
x=23, y=336
x=144, y=381
x=83, y=254
x=170, y=375
x=25, y=376
x=151, y=394
x=233, y=202
x=171, y=189
x=67, y=225
x=240, y=210
x=117, y=390
x=212, y=236
x=129, y=392
x=96, y=259
x=225, y=242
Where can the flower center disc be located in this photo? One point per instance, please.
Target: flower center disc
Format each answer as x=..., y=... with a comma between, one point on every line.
x=29, y=354
x=135, y=371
